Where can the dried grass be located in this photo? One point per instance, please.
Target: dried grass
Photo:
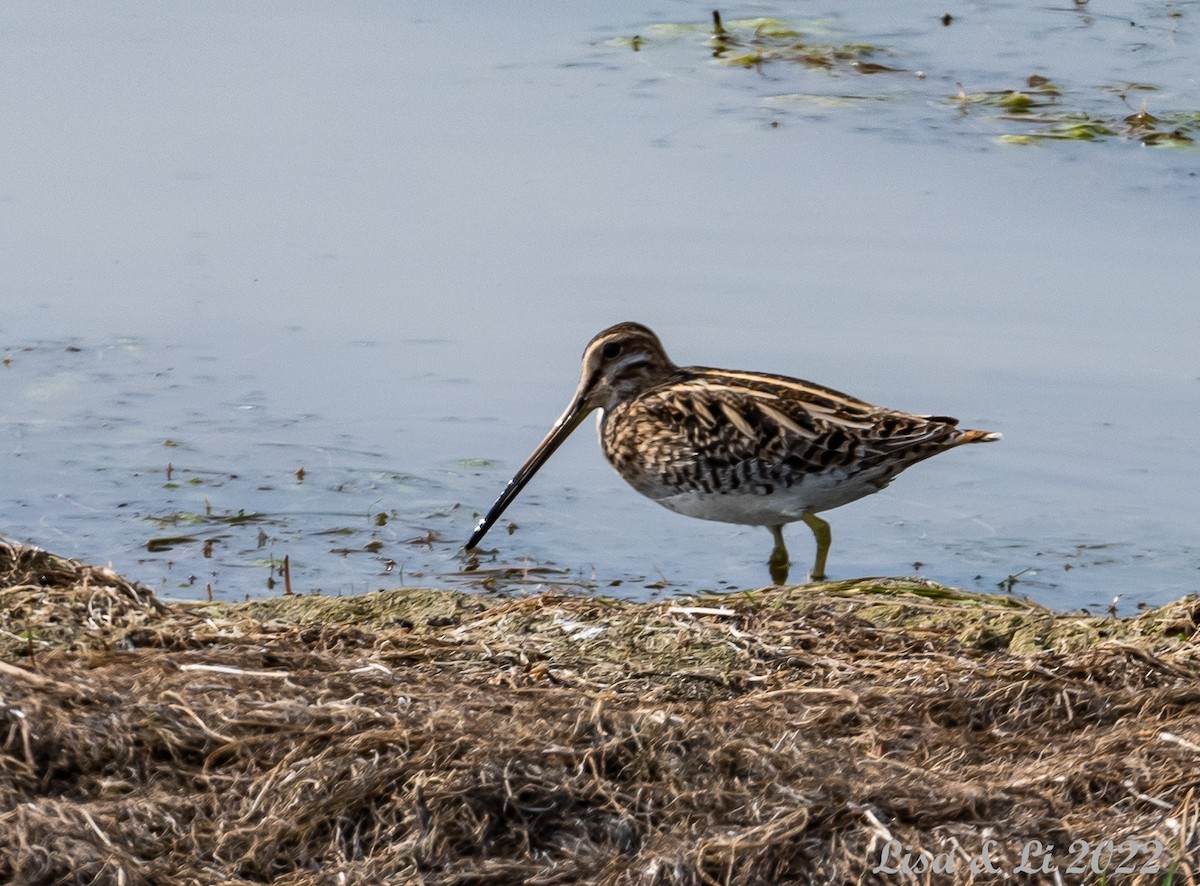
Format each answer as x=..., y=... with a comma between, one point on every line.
x=428, y=737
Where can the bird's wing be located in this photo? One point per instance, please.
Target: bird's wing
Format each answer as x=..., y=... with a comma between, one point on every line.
x=739, y=416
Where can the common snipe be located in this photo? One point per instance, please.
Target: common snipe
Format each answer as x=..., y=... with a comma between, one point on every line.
x=738, y=447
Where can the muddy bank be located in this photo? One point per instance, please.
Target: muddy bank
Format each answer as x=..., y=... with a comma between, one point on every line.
x=873, y=731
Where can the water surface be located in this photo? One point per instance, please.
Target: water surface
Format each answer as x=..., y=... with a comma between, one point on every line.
x=312, y=282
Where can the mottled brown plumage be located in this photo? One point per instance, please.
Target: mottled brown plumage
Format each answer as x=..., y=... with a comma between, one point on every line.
x=738, y=447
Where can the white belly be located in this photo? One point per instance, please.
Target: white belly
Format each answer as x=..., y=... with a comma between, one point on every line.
x=815, y=494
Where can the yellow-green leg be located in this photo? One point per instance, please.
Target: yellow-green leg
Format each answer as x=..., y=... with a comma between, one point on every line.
x=778, y=564
x=820, y=530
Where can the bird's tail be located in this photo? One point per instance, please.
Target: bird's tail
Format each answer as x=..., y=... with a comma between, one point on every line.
x=978, y=437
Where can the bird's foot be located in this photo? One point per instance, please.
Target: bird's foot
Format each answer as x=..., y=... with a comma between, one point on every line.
x=779, y=570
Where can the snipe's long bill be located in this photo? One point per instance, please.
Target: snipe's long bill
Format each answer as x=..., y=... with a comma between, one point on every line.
x=738, y=447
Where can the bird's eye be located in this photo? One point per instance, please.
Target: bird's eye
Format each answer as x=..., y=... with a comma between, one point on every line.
x=611, y=349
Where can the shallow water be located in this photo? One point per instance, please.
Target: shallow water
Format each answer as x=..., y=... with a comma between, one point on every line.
x=371, y=244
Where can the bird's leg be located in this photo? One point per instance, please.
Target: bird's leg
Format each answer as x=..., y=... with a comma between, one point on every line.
x=778, y=564
x=820, y=530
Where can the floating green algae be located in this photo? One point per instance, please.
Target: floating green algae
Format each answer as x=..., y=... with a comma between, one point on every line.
x=1038, y=110
x=1041, y=105
x=750, y=42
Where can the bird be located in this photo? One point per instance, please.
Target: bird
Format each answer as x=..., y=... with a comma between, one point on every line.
x=749, y=448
